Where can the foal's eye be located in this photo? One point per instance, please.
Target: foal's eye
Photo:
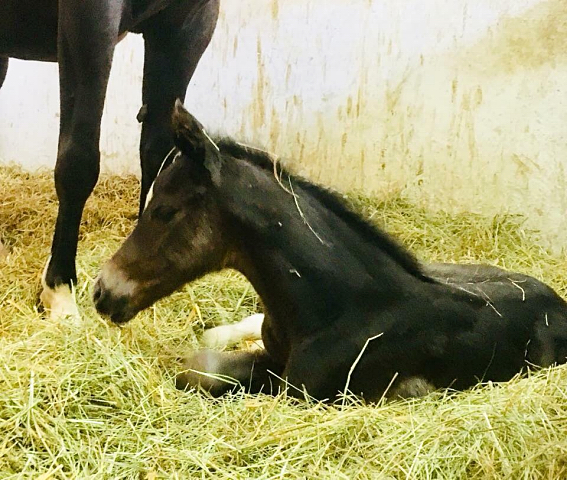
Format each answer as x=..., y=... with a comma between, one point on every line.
x=164, y=213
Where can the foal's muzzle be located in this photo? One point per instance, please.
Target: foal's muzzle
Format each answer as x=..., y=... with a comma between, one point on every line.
x=112, y=298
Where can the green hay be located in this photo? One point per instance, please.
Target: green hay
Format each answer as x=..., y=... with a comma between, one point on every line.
x=96, y=401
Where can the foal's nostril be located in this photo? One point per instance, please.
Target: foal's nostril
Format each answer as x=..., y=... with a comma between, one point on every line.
x=102, y=299
x=109, y=304
x=97, y=291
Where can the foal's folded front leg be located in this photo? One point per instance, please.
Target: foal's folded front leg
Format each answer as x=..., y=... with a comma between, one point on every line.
x=249, y=328
x=223, y=372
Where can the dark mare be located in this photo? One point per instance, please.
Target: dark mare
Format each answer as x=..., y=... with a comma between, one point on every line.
x=81, y=35
x=347, y=308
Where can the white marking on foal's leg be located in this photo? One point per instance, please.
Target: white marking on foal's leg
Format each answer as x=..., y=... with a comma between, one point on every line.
x=249, y=328
x=58, y=301
x=203, y=369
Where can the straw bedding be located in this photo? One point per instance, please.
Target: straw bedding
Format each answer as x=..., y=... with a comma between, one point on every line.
x=95, y=401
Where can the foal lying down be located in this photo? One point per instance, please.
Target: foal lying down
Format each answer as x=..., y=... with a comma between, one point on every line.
x=346, y=306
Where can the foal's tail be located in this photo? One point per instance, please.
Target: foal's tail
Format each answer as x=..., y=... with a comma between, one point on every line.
x=223, y=372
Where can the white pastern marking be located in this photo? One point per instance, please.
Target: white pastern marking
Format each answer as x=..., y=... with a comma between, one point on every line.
x=59, y=301
x=249, y=328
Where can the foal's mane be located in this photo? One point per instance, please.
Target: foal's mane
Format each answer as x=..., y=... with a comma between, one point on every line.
x=330, y=200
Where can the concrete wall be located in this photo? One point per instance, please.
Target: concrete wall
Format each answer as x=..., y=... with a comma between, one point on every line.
x=462, y=103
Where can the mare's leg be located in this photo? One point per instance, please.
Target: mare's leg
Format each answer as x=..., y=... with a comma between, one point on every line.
x=253, y=371
x=3, y=69
x=86, y=38
x=174, y=41
x=249, y=328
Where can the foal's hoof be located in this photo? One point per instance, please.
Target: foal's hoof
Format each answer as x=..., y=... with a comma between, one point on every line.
x=196, y=368
x=202, y=370
x=411, y=387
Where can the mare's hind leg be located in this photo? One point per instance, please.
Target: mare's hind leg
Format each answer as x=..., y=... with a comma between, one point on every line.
x=222, y=372
x=3, y=69
x=86, y=38
x=174, y=41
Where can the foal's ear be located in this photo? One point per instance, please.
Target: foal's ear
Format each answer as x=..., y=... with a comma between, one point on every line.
x=192, y=139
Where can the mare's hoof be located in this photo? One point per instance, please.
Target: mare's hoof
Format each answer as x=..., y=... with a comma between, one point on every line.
x=4, y=252
x=59, y=303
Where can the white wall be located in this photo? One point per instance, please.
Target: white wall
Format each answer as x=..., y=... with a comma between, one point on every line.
x=463, y=103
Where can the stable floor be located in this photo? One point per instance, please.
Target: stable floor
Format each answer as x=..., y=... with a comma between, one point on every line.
x=90, y=400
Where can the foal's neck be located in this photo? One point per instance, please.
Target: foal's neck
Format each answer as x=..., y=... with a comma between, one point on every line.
x=304, y=259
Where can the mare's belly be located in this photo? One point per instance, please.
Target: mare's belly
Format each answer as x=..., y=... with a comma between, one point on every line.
x=28, y=29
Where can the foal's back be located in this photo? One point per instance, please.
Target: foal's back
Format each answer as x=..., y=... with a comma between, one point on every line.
x=519, y=304
x=474, y=323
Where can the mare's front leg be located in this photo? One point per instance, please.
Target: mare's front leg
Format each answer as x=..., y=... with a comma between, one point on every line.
x=87, y=34
x=174, y=41
x=3, y=69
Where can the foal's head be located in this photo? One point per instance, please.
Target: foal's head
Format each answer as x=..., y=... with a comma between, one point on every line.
x=178, y=237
